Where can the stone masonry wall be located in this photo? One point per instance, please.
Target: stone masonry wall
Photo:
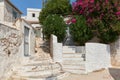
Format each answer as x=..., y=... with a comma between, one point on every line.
x=10, y=42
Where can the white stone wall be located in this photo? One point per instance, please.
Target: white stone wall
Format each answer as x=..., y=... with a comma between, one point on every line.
x=97, y=56
x=56, y=49
x=91, y=57
x=31, y=11
x=1, y=11
x=31, y=37
x=57, y=52
x=20, y=25
x=10, y=43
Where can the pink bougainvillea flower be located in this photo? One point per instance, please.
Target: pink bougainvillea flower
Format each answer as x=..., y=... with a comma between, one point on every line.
x=118, y=13
x=74, y=4
x=91, y=1
x=101, y=15
x=106, y=1
x=73, y=20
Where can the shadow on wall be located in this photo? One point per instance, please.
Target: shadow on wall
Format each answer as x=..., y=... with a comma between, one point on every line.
x=115, y=73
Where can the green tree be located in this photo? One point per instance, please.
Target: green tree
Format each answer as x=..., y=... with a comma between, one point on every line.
x=61, y=7
x=105, y=33
x=54, y=24
x=80, y=31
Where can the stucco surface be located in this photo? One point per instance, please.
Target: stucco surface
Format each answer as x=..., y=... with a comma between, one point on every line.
x=10, y=42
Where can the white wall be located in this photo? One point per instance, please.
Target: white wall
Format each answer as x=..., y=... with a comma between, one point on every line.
x=20, y=23
x=10, y=43
x=31, y=37
x=1, y=11
x=56, y=49
x=31, y=11
x=97, y=56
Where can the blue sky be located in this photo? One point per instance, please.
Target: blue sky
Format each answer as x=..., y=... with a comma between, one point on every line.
x=24, y=4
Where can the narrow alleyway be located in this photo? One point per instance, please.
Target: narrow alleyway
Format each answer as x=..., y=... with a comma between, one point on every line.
x=39, y=67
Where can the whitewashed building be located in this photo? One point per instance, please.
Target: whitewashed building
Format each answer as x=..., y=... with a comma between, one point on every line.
x=17, y=39
x=9, y=13
x=33, y=18
x=11, y=16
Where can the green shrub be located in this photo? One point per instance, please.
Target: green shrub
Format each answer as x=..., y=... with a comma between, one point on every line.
x=105, y=33
x=61, y=7
x=54, y=24
x=80, y=32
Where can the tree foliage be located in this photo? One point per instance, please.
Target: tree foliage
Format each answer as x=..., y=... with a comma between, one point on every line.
x=102, y=16
x=61, y=7
x=80, y=31
x=54, y=24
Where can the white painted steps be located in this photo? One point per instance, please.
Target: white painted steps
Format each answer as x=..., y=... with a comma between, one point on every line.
x=74, y=63
x=38, y=70
x=69, y=49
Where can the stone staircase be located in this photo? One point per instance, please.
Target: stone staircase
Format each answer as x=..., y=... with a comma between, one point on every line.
x=73, y=62
x=39, y=67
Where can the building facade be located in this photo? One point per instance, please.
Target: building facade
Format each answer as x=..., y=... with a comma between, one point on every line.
x=33, y=18
x=17, y=38
x=9, y=13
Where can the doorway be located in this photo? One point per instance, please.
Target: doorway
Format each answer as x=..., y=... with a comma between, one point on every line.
x=26, y=41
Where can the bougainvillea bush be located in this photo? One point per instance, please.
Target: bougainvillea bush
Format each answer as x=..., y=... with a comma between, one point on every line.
x=102, y=16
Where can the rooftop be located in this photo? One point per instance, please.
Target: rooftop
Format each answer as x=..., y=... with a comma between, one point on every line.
x=8, y=1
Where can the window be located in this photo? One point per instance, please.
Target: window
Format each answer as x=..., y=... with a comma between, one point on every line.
x=14, y=14
x=33, y=15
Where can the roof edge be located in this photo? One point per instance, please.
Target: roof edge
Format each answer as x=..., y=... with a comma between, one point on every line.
x=13, y=6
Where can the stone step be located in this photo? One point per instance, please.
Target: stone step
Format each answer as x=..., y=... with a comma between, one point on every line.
x=41, y=59
x=73, y=59
x=73, y=55
x=69, y=49
x=40, y=74
x=39, y=68
x=52, y=78
x=74, y=67
x=73, y=63
x=75, y=71
x=35, y=79
x=42, y=62
x=16, y=77
x=63, y=75
x=58, y=77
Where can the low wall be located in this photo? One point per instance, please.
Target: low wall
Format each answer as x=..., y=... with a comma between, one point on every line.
x=115, y=53
x=97, y=56
x=10, y=42
x=56, y=49
x=94, y=56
